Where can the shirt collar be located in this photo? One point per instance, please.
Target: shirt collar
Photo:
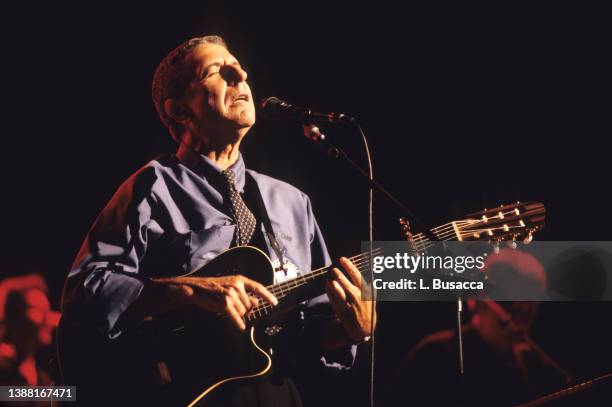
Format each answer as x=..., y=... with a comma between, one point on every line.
x=205, y=167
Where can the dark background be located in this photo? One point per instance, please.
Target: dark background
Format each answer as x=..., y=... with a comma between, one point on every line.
x=465, y=108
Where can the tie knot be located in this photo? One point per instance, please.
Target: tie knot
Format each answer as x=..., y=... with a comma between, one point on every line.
x=230, y=177
x=244, y=218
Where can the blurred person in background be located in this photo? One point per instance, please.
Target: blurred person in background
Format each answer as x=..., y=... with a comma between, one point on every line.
x=502, y=365
x=26, y=335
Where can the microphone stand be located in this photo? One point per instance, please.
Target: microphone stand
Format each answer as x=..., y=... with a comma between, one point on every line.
x=314, y=134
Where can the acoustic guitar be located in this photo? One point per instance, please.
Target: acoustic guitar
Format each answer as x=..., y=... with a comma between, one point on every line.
x=191, y=358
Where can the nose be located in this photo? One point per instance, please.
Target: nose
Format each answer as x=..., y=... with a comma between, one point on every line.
x=233, y=74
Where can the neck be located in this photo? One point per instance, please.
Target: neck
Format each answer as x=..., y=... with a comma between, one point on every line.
x=223, y=153
x=224, y=157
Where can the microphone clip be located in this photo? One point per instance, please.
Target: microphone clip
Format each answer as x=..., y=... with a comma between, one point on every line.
x=313, y=133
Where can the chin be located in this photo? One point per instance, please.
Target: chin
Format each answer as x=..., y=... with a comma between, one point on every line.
x=236, y=120
x=248, y=113
x=246, y=119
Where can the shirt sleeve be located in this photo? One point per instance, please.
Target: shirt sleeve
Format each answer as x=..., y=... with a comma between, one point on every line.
x=105, y=277
x=318, y=311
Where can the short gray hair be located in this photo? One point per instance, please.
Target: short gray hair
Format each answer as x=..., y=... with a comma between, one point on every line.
x=172, y=77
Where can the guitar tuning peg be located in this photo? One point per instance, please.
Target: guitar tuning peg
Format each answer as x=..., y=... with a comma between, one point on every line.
x=529, y=238
x=405, y=226
x=511, y=244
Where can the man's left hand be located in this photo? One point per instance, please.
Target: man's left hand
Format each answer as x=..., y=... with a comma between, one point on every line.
x=345, y=297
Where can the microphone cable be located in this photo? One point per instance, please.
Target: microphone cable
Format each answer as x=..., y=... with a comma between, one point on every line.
x=373, y=313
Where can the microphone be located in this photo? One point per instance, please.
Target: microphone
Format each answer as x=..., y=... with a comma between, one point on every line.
x=274, y=108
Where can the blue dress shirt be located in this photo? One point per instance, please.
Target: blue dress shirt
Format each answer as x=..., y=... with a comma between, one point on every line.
x=171, y=217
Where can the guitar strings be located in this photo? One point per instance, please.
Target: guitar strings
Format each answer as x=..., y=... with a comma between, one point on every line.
x=280, y=287
x=449, y=225
x=361, y=259
x=430, y=244
x=462, y=231
x=356, y=260
x=448, y=229
x=444, y=232
x=266, y=306
x=423, y=243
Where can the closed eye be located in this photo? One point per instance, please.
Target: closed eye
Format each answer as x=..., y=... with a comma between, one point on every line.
x=210, y=70
x=216, y=68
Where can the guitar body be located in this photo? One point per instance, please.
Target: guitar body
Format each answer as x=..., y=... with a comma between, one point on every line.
x=175, y=360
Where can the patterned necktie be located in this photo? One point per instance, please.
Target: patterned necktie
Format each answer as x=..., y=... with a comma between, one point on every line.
x=245, y=220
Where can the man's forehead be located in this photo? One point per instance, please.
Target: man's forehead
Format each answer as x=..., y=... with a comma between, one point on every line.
x=205, y=54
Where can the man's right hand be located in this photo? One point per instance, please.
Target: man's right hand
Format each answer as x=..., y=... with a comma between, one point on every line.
x=232, y=295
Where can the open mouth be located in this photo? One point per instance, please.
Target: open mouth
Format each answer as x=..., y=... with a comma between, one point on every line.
x=243, y=98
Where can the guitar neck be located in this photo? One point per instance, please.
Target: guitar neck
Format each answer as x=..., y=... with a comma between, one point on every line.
x=305, y=286
x=304, y=283
x=449, y=231
x=505, y=222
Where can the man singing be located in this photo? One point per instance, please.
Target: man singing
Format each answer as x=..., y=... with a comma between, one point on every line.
x=179, y=211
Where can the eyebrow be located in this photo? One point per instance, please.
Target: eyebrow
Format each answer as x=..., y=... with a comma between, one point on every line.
x=217, y=64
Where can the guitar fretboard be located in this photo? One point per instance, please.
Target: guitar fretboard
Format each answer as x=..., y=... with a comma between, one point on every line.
x=285, y=288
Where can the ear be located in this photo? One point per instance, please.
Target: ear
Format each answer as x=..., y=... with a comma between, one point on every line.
x=177, y=111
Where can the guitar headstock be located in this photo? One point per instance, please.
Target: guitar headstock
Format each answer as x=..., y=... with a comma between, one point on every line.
x=518, y=221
